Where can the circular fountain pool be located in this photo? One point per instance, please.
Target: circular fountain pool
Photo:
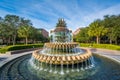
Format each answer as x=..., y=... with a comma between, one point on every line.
x=20, y=69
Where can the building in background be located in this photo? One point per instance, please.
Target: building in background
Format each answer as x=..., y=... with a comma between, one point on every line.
x=76, y=32
x=44, y=32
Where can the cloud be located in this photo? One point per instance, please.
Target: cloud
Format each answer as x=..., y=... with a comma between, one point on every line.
x=44, y=14
x=75, y=18
x=113, y=10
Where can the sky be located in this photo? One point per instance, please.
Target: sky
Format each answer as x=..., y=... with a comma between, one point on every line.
x=45, y=13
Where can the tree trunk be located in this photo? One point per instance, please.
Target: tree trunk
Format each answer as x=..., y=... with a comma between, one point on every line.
x=14, y=39
x=116, y=42
x=2, y=41
x=8, y=41
x=97, y=39
x=34, y=41
x=110, y=41
x=26, y=40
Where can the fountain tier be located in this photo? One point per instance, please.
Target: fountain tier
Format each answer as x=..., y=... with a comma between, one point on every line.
x=61, y=45
x=64, y=59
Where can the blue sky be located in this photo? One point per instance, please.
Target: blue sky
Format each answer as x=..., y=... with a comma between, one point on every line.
x=45, y=13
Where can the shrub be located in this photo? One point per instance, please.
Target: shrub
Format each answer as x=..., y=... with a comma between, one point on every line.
x=19, y=47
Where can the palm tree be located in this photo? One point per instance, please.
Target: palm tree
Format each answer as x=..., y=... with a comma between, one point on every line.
x=24, y=32
x=97, y=29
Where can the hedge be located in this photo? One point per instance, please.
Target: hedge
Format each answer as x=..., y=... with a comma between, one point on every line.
x=19, y=47
x=104, y=46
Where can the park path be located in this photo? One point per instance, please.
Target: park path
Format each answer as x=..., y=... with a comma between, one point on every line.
x=113, y=54
x=4, y=58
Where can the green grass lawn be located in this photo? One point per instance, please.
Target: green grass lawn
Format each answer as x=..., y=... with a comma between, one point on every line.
x=103, y=46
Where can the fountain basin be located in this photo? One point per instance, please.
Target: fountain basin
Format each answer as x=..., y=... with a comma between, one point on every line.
x=64, y=59
x=20, y=69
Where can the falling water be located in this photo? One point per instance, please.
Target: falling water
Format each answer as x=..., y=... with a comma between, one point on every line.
x=61, y=72
x=72, y=66
x=92, y=61
x=66, y=48
x=37, y=65
x=89, y=62
x=55, y=69
x=56, y=50
x=46, y=67
x=77, y=66
x=67, y=68
x=86, y=64
x=41, y=66
x=50, y=67
x=63, y=49
x=82, y=66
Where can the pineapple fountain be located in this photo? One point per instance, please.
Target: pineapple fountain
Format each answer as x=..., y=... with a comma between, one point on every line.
x=62, y=52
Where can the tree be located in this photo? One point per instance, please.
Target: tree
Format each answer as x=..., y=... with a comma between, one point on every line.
x=83, y=36
x=116, y=29
x=13, y=22
x=13, y=27
x=36, y=35
x=113, y=23
x=1, y=28
x=97, y=29
x=4, y=31
x=24, y=32
x=25, y=28
x=108, y=23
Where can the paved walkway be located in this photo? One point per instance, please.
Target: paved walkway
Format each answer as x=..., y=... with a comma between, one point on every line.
x=4, y=58
x=113, y=54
